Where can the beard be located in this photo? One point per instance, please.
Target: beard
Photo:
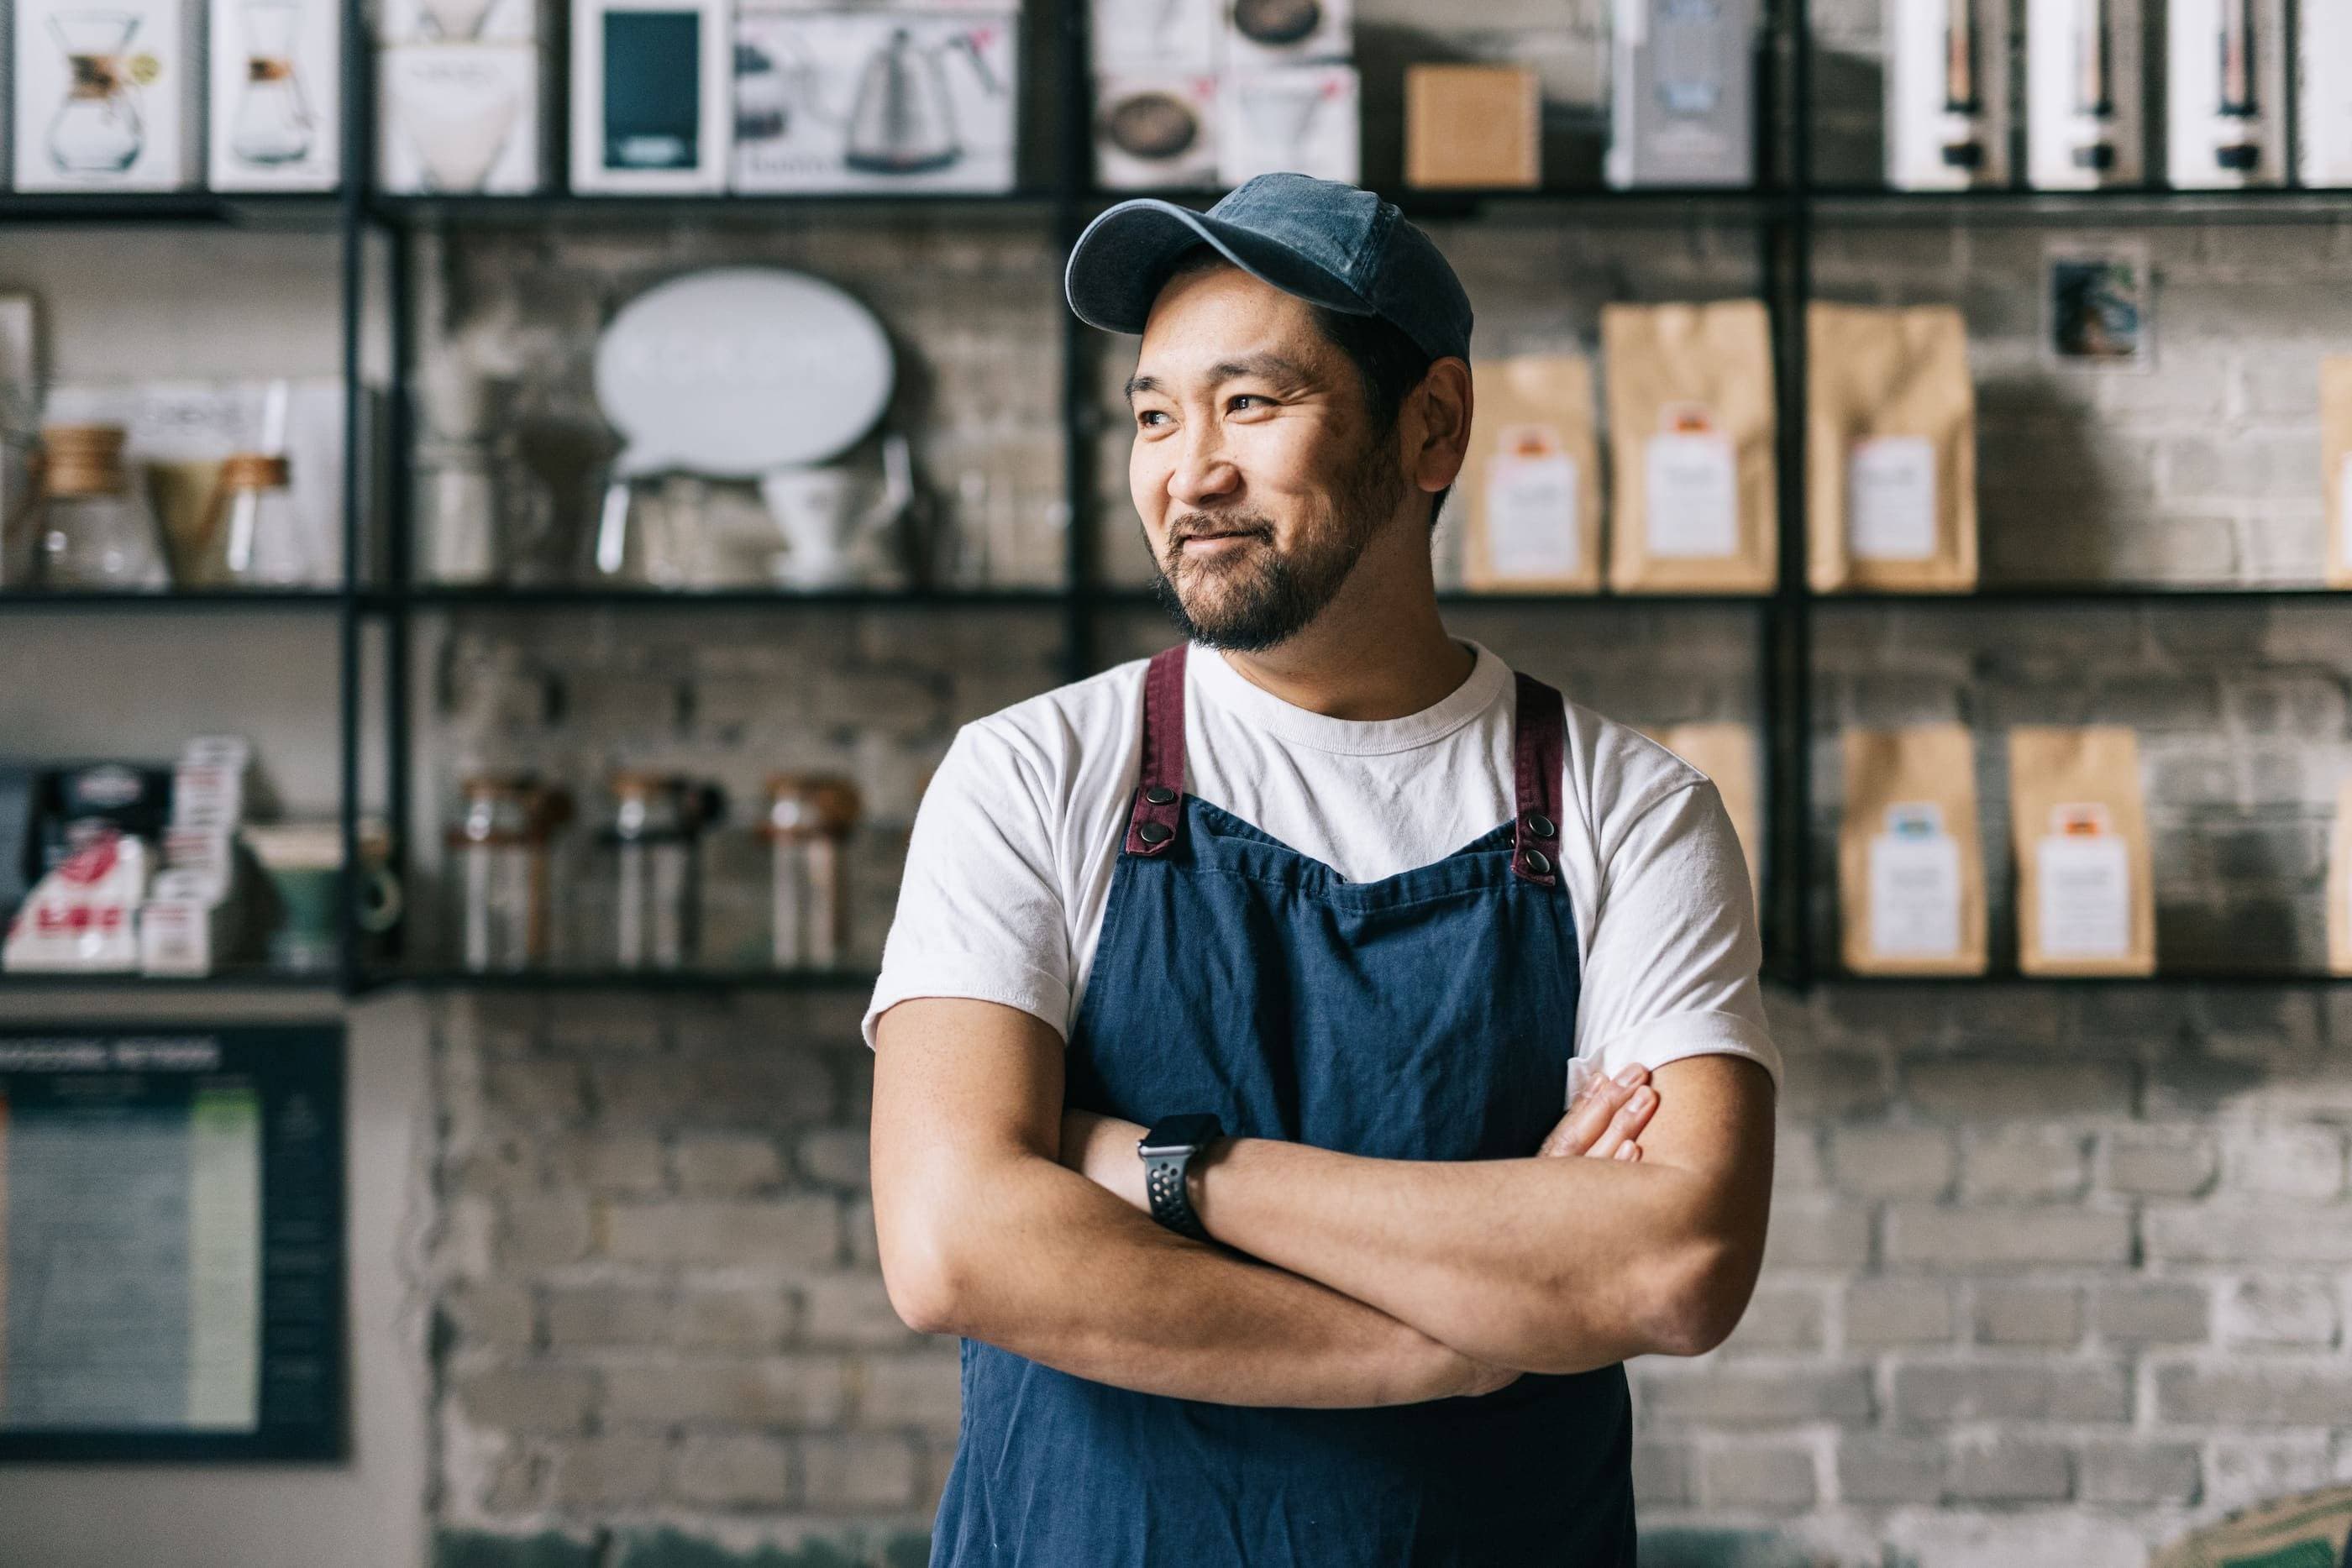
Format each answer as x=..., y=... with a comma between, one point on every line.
x=1261, y=596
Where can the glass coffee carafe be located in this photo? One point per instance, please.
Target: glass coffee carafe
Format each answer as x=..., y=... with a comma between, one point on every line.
x=273, y=123
x=98, y=130
x=90, y=525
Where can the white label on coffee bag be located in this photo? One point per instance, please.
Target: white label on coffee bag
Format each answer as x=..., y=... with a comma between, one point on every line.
x=1531, y=520
x=1890, y=498
x=1692, y=495
x=2084, y=905
x=1914, y=885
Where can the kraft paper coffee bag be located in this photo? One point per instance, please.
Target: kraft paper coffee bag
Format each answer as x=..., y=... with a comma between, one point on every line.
x=1911, y=887
x=2339, y=885
x=1690, y=448
x=2336, y=464
x=1532, y=476
x=1891, y=450
x=1726, y=753
x=2086, y=901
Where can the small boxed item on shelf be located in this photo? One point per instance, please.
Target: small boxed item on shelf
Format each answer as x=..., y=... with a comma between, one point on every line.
x=107, y=98
x=1179, y=37
x=277, y=95
x=1682, y=76
x=1948, y=108
x=2224, y=94
x=652, y=105
x=1472, y=127
x=1262, y=33
x=1155, y=130
x=1911, y=886
x=2085, y=122
x=1303, y=118
x=2323, y=66
x=459, y=120
x=874, y=100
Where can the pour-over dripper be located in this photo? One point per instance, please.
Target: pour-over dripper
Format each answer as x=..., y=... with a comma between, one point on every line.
x=97, y=130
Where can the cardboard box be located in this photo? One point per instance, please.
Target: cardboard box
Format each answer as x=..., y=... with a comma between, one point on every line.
x=1259, y=34
x=1155, y=130
x=652, y=95
x=459, y=120
x=107, y=99
x=1472, y=127
x=865, y=101
x=1304, y=119
x=2085, y=91
x=2225, y=96
x=1948, y=108
x=1681, y=105
x=1156, y=36
x=276, y=111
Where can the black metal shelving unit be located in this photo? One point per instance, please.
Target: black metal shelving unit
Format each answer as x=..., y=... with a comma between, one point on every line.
x=380, y=594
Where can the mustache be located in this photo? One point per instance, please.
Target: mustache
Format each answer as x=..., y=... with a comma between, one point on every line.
x=1194, y=525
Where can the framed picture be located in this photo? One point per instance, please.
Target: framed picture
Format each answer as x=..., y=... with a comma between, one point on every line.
x=2098, y=307
x=172, y=1248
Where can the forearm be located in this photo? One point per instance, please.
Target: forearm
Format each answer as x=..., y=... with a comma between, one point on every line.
x=1048, y=1265
x=1547, y=1265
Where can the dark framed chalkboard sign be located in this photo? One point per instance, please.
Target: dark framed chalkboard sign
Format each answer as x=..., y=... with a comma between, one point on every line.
x=172, y=1242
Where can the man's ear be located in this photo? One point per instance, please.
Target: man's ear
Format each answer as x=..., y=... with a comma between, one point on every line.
x=1441, y=406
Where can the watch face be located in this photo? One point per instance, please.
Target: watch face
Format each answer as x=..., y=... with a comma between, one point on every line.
x=1170, y=1134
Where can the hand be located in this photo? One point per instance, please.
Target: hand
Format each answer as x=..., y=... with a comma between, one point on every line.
x=1606, y=1119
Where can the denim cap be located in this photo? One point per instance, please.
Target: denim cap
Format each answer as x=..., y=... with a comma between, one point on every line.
x=1326, y=242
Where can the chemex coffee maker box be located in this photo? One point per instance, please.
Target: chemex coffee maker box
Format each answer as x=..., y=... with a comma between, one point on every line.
x=875, y=100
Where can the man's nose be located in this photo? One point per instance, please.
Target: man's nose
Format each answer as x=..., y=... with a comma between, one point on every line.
x=1204, y=472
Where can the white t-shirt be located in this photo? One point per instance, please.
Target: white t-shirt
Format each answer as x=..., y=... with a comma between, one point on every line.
x=1009, y=866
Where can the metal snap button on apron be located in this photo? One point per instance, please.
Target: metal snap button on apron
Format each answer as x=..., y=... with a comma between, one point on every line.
x=1152, y=833
x=1537, y=862
x=1540, y=825
x=1160, y=794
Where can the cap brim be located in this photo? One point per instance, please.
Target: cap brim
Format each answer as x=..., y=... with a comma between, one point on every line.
x=1120, y=262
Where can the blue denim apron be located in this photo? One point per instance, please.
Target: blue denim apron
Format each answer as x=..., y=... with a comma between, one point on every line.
x=1426, y=1015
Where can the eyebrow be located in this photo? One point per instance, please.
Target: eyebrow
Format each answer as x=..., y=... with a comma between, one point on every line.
x=1267, y=367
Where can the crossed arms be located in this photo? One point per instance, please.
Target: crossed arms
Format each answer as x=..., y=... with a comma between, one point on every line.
x=1340, y=1280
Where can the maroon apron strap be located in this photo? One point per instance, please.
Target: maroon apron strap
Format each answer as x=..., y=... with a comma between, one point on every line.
x=1160, y=794
x=1539, y=749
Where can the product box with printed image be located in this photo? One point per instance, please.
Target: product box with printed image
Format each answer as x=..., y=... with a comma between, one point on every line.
x=1183, y=37
x=1155, y=130
x=1302, y=118
x=107, y=96
x=1948, y=105
x=276, y=110
x=2225, y=91
x=459, y=118
x=1266, y=33
x=459, y=21
x=1681, y=101
x=652, y=105
x=2085, y=122
x=2322, y=64
x=874, y=101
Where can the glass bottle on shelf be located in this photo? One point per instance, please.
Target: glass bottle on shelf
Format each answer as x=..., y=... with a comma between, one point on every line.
x=656, y=840
x=477, y=506
x=97, y=130
x=90, y=525
x=273, y=123
x=252, y=528
x=501, y=870
x=810, y=818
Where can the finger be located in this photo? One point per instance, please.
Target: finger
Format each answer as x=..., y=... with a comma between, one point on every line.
x=1626, y=1124
x=1575, y=1132
x=1628, y=1153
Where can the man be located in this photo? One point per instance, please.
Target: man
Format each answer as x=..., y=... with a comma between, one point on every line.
x=1231, y=995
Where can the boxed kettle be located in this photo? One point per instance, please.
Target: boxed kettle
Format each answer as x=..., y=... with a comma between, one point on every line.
x=107, y=96
x=875, y=100
x=2225, y=94
x=1948, y=108
x=2085, y=124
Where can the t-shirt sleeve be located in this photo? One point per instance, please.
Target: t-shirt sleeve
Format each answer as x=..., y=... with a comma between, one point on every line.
x=980, y=911
x=1671, y=966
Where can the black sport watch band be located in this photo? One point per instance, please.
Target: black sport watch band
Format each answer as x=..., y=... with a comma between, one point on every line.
x=1168, y=1150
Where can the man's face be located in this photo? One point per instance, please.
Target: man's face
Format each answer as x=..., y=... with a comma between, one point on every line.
x=1255, y=473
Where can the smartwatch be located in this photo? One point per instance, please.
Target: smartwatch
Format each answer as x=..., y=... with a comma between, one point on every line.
x=1168, y=1150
